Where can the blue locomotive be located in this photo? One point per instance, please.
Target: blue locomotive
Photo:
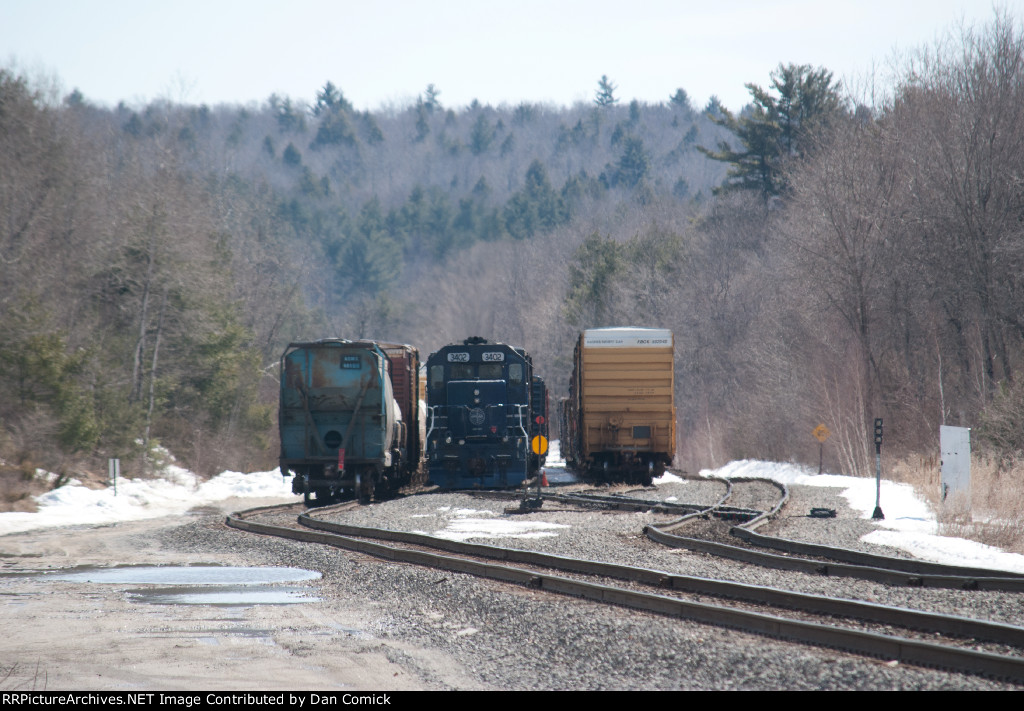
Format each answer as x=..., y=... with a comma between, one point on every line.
x=349, y=418
x=486, y=416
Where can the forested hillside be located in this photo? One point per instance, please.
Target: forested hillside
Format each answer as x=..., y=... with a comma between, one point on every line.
x=819, y=258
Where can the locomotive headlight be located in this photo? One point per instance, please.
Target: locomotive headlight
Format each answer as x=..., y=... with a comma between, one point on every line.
x=462, y=442
x=448, y=439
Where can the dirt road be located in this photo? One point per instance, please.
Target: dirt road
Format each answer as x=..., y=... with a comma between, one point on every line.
x=88, y=636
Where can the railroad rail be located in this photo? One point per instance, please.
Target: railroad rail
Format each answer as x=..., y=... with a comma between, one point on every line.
x=829, y=561
x=465, y=558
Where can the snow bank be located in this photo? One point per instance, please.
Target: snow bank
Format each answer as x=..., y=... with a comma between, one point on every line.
x=177, y=491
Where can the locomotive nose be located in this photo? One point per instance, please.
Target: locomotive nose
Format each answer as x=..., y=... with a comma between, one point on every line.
x=476, y=408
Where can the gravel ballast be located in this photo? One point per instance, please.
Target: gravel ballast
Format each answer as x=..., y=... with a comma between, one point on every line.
x=452, y=631
x=511, y=638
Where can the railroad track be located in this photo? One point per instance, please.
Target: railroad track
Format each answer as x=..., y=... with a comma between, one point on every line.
x=815, y=559
x=625, y=502
x=743, y=607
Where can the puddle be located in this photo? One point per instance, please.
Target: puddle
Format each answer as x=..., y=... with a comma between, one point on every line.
x=201, y=584
x=185, y=575
x=232, y=595
x=247, y=632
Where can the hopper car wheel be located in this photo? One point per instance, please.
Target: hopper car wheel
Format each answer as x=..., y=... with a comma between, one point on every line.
x=364, y=487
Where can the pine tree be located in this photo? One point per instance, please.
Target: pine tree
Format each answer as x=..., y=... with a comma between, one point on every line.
x=535, y=208
x=291, y=155
x=775, y=129
x=681, y=100
x=330, y=99
x=592, y=274
x=422, y=124
x=605, y=95
x=633, y=164
x=482, y=135
x=335, y=128
x=430, y=101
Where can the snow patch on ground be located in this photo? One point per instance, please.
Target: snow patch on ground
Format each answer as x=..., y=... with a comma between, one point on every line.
x=466, y=524
x=464, y=529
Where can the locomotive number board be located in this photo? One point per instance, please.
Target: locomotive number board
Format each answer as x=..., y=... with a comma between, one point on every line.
x=487, y=357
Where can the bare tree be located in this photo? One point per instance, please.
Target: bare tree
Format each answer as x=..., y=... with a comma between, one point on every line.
x=966, y=101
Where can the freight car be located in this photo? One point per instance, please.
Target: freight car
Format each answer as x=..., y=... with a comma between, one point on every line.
x=618, y=422
x=349, y=418
x=485, y=406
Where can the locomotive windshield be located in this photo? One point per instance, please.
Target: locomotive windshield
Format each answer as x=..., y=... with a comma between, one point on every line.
x=462, y=371
x=515, y=374
x=490, y=371
x=475, y=371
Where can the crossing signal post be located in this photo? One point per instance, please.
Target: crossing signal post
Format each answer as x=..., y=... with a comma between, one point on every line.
x=539, y=445
x=878, y=470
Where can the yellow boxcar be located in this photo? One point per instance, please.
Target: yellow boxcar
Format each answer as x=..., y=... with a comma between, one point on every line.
x=619, y=420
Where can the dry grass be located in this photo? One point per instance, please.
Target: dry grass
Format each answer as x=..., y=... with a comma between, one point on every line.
x=18, y=484
x=993, y=513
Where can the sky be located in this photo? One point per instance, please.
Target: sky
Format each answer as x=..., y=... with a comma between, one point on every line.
x=909, y=525
x=383, y=54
